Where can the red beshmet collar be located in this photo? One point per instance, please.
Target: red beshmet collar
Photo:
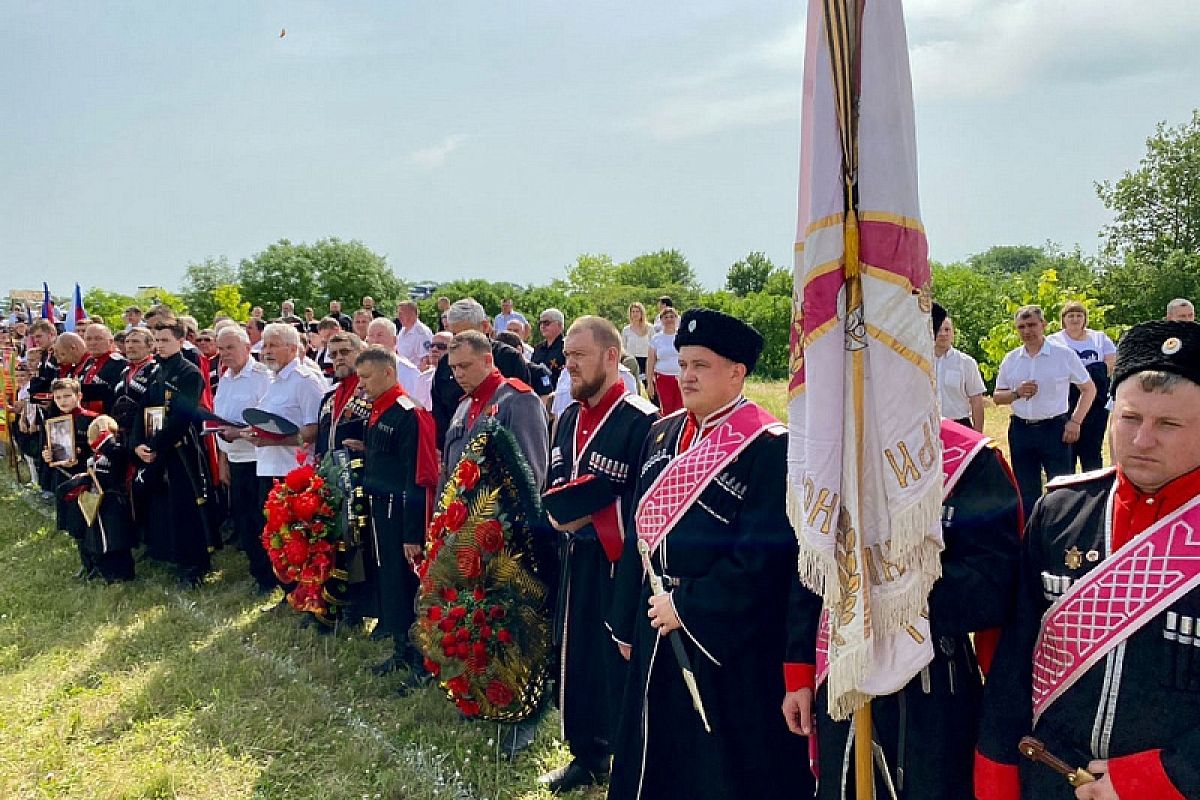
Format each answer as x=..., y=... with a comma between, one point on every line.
x=1134, y=510
x=483, y=395
x=590, y=417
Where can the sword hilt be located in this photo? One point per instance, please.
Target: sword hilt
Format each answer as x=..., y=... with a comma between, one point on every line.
x=1035, y=750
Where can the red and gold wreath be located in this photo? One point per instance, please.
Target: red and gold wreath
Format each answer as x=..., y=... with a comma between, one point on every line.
x=301, y=535
x=482, y=622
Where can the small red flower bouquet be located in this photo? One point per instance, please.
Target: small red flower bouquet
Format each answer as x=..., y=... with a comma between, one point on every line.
x=302, y=534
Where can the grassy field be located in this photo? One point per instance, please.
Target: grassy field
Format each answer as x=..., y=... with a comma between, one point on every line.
x=149, y=691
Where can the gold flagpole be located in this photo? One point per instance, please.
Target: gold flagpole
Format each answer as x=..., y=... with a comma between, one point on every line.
x=864, y=778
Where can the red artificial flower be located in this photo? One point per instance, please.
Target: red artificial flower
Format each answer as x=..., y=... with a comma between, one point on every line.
x=504, y=636
x=470, y=562
x=468, y=707
x=479, y=617
x=499, y=695
x=449, y=640
x=458, y=685
x=437, y=526
x=456, y=515
x=463, y=634
x=296, y=551
x=446, y=625
x=467, y=474
x=496, y=612
x=432, y=667
x=435, y=613
x=479, y=594
x=485, y=632
x=490, y=535
x=298, y=479
x=277, y=516
x=449, y=594
x=458, y=612
x=326, y=510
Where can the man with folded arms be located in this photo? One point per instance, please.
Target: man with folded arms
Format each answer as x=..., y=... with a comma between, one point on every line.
x=1100, y=662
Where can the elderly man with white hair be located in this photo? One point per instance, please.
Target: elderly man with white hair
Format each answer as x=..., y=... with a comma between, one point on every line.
x=468, y=315
x=243, y=383
x=1181, y=310
x=295, y=394
x=382, y=331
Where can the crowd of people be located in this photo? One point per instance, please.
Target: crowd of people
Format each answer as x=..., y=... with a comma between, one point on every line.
x=688, y=653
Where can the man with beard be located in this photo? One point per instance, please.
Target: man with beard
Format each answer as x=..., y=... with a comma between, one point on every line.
x=173, y=473
x=711, y=500
x=101, y=371
x=295, y=394
x=399, y=471
x=597, y=442
x=242, y=386
x=468, y=315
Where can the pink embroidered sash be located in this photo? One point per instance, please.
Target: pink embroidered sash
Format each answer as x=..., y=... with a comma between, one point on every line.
x=960, y=445
x=1113, y=601
x=679, y=485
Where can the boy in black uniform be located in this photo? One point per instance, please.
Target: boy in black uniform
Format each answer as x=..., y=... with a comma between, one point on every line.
x=67, y=397
x=399, y=470
x=593, y=467
x=172, y=470
x=107, y=541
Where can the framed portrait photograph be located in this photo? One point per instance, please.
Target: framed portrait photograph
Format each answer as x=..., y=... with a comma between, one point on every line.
x=60, y=438
x=153, y=420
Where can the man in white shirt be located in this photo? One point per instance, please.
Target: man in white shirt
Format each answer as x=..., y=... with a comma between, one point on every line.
x=243, y=383
x=507, y=315
x=382, y=331
x=960, y=386
x=295, y=394
x=1181, y=310
x=1035, y=379
x=412, y=335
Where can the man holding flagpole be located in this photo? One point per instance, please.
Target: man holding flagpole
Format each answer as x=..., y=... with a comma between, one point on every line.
x=865, y=463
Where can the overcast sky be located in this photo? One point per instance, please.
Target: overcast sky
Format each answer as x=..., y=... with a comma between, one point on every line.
x=500, y=140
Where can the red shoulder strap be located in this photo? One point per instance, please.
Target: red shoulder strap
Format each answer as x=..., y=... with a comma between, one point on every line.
x=518, y=384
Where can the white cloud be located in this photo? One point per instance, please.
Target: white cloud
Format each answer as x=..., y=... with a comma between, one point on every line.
x=989, y=48
x=435, y=156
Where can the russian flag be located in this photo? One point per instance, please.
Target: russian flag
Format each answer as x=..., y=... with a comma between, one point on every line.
x=47, y=304
x=78, y=312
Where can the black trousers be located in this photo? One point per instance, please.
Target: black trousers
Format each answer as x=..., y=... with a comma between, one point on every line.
x=256, y=554
x=246, y=514
x=1088, y=451
x=1037, y=447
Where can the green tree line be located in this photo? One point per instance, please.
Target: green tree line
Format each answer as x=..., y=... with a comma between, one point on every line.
x=1150, y=255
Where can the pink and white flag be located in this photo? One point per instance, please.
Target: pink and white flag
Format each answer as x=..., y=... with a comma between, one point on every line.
x=865, y=457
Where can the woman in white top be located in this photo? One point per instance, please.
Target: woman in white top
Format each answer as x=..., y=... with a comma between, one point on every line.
x=662, y=365
x=636, y=336
x=1098, y=354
